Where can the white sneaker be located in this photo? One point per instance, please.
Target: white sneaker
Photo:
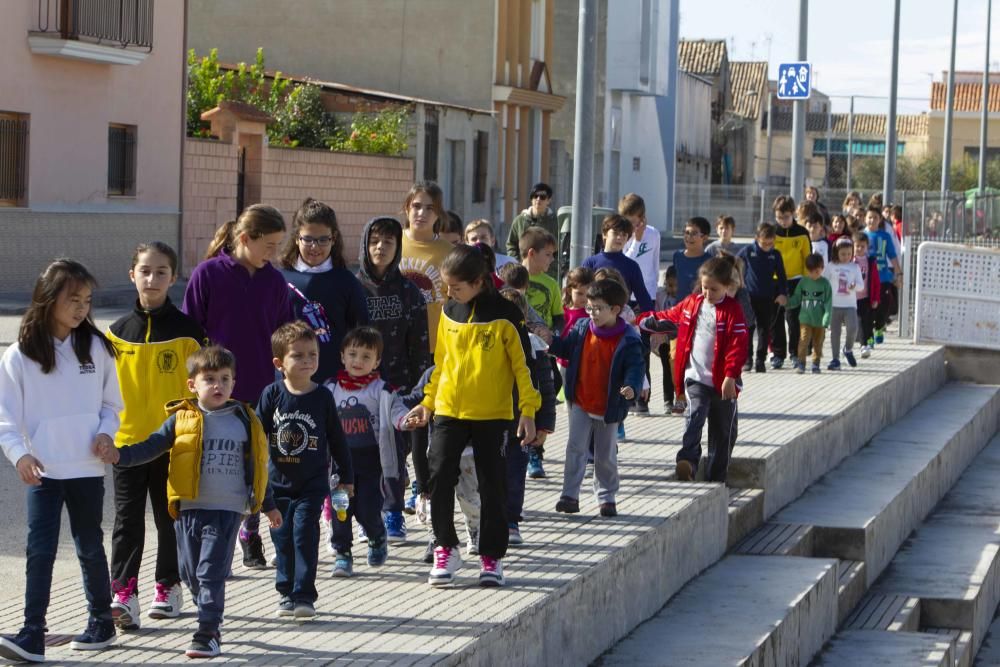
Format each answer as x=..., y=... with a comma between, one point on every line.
x=125, y=605
x=447, y=561
x=865, y=352
x=491, y=572
x=167, y=601
x=472, y=543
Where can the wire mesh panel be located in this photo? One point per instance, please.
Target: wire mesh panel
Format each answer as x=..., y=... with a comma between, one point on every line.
x=958, y=296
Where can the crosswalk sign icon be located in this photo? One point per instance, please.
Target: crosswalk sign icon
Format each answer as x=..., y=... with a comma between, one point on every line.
x=794, y=81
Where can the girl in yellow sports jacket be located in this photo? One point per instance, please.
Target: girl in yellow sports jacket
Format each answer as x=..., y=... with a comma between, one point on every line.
x=481, y=350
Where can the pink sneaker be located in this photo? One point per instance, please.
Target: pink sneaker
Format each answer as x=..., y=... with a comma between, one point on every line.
x=167, y=601
x=490, y=572
x=447, y=560
x=125, y=605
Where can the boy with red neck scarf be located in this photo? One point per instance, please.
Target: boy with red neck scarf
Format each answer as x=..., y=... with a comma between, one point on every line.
x=370, y=413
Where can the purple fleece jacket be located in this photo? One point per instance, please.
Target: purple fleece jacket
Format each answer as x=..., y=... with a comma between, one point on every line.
x=240, y=312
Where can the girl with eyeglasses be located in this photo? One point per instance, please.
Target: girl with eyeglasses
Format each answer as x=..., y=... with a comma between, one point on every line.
x=324, y=293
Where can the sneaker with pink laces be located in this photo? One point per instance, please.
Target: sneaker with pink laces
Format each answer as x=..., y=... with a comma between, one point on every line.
x=167, y=601
x=490, y=572
x=125, y=605
x=447, y=560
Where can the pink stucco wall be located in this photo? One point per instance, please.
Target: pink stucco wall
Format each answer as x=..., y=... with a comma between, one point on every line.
x=71, y=104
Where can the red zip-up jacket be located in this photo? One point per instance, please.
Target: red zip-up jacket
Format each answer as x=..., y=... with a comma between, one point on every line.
x=730, y=337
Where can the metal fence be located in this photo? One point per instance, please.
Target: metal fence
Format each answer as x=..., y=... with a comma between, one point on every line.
x=123, y=23
x=13, y=159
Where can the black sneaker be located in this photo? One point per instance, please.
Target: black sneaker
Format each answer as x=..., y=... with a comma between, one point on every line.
x=100, y=634
x=568, y=505
x=761, y=367
x=27, y=646
x=204, y=647
x=640, y=409
x=748, y=366
x=253, y=553
x=286, y=607
x=609, y=509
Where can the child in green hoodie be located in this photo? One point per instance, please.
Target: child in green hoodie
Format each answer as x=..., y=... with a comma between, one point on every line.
x=814, y=296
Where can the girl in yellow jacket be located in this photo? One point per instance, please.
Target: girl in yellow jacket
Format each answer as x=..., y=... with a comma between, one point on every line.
x=481, y=350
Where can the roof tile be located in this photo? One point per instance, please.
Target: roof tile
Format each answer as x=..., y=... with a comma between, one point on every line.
x=746, y=76
x=968, y=97
x=701, y=56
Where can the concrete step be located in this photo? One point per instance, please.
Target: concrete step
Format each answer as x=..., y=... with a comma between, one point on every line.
x=851, y=587
x=961, y=642
x=857, y=648
x=865, y=508
x=746, y=610
x=895, y=613
x=989, y=651
x=746, y=513
x=952, y=562
x=786, y=461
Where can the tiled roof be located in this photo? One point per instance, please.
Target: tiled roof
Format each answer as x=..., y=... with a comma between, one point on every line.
x=745, y=76
x=865, y=124
x=968, y=97
x=701, y=56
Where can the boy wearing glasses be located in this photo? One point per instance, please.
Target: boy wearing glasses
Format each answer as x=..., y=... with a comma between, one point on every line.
x=540, y=214
x=688, y=261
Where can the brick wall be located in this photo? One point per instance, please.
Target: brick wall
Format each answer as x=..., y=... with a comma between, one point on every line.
x=357, y=187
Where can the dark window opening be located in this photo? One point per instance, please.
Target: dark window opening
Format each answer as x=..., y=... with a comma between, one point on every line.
x=121, y=160
x=480, y=166
x=13, y=159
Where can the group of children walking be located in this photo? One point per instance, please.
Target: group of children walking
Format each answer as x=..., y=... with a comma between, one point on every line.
x=444, y=351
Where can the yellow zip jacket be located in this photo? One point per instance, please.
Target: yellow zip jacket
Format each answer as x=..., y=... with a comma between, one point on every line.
x=153, y=347
x=482, y=349
x=181, y=435
x=794, y=245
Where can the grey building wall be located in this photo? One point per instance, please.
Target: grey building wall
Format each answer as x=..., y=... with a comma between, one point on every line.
x=435, y=49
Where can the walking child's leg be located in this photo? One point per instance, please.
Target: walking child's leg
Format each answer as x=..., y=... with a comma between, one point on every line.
x=699, y=399
x=818, y=336
x=517, y=468
x=467, y=493
x=304, y=520
x=839, y=317
x=577, y=451
x=851, y=318
x=805, y=334
x=45, y=503
x=448, y=439
x=166, y=539
x=85, y=505
x=489, y=439
x=284, y=554
x=368, y=499
x=128, y=534
x=218, y=530
x=779, y=344
x=722, y=430
x=606, y=481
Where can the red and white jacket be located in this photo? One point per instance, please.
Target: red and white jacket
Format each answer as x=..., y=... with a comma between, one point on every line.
x=730, y=337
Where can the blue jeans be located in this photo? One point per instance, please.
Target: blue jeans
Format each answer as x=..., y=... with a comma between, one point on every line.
x=296, y=546
x=205, y=543
x=84, y=501
x=705, y=404
x=517, y=467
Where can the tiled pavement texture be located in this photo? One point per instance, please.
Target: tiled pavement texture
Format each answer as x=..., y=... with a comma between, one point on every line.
x=392, y=616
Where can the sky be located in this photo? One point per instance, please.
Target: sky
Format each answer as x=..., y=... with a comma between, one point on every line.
x=850, y=42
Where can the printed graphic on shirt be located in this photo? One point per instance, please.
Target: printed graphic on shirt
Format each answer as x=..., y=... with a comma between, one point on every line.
x=812, y=299
x=222, y=457
x=539, y=298
x=293, y=434
x=486, y=339
x=425, y=276
x=642, y=249
x=87, y=368
x=385, y=307
x=167, y=361
x=358, y=423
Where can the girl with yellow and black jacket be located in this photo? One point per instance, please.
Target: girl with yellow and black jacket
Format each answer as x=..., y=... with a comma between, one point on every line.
x=153, y=343
x=482, y=350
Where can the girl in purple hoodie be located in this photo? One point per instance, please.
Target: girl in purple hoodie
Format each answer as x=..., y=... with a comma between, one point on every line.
x=239, y=299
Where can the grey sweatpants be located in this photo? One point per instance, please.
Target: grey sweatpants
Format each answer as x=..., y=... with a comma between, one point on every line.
x=205, y=543
x=849, y=318
x=583, y=428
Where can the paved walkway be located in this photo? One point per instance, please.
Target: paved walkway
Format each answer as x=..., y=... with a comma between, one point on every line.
x=391, y=616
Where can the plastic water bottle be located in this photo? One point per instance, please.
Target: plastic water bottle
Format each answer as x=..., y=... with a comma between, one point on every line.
x=338, y=498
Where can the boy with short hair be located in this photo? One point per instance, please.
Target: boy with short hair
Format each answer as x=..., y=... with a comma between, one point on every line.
x=814, y=297
x=792, y=242
x=370, y=414
x=615, y=232
x=644, y=248
x=304, y=436
x=217, y=473
x=481, y=231
x=689, y=260
x=538, y=248
x=817, y=236
x=764, y=277
x=604, y=374
x=725, y=226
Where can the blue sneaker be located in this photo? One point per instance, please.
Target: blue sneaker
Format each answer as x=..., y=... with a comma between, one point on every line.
x=343, y=567
x=777, y=362
x=621, y=431
x=815, y=368
x=378, y=552
x=535, y=469
x=879, y=336
x=27, y=646
x=395, y=526
x=850, y=358
x=100, y=634
x=410, y=507
x=833, y=365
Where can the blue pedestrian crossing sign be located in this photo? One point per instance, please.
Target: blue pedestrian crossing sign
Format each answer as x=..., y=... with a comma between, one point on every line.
x=794, y=81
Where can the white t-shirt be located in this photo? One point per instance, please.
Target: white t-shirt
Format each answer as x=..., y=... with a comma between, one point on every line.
x=846, y=280
x=699, y=366
x=646, y=253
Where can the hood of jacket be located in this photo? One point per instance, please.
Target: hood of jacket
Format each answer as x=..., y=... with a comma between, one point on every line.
x=794, y=230
x=367, y=271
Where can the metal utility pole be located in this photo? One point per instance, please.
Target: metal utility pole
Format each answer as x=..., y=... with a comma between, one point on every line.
x=799, y=112
x=581, y=226
x=889, y=181
x=949, y=108
x=984, y=118
x=770, y=119
x=850, y=142
x=668, y=131
x=829, y=140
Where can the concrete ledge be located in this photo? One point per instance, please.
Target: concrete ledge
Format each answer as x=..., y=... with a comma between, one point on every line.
x=746, y=513
x=866, y=507
x=747, y=610
x=897, y=649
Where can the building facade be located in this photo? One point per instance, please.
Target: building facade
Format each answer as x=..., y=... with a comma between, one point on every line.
x=966, y=117
x=91, y=133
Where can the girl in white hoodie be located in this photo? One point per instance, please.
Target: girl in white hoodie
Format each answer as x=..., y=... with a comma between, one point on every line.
x=59, y=400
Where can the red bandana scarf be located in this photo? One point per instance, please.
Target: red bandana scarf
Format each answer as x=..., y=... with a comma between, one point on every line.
x=351, y=383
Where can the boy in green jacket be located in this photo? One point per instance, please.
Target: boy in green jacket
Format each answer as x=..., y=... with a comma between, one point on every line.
x=814, y=296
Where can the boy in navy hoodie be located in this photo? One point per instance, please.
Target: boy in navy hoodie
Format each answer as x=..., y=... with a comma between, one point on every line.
x=764, y=277
x=616, y=230
x=396, y=308
x=304, y=434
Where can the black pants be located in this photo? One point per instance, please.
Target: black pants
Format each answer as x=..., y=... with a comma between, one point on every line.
x=705, y=404
x=780, y=344
x=866, y=321
x=418, y=444
x=395, y=488
x=129, y=534
x=886, y=304
x=366, y=503
x=645, y=357
x=763, y=313
x=667, y=364
x=489, y=441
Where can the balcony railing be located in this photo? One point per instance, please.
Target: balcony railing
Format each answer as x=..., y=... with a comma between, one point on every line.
x=121, y=23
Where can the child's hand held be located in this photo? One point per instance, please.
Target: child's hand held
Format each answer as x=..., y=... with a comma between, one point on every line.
x=526, y=430
x=417, y=417
x=30, y=470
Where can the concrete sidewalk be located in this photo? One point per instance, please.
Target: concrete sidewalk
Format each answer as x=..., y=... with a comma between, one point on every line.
x=578, y=584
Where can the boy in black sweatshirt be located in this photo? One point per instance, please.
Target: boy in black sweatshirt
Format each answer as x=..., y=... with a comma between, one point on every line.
x=304, y=434
x=764, y=277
